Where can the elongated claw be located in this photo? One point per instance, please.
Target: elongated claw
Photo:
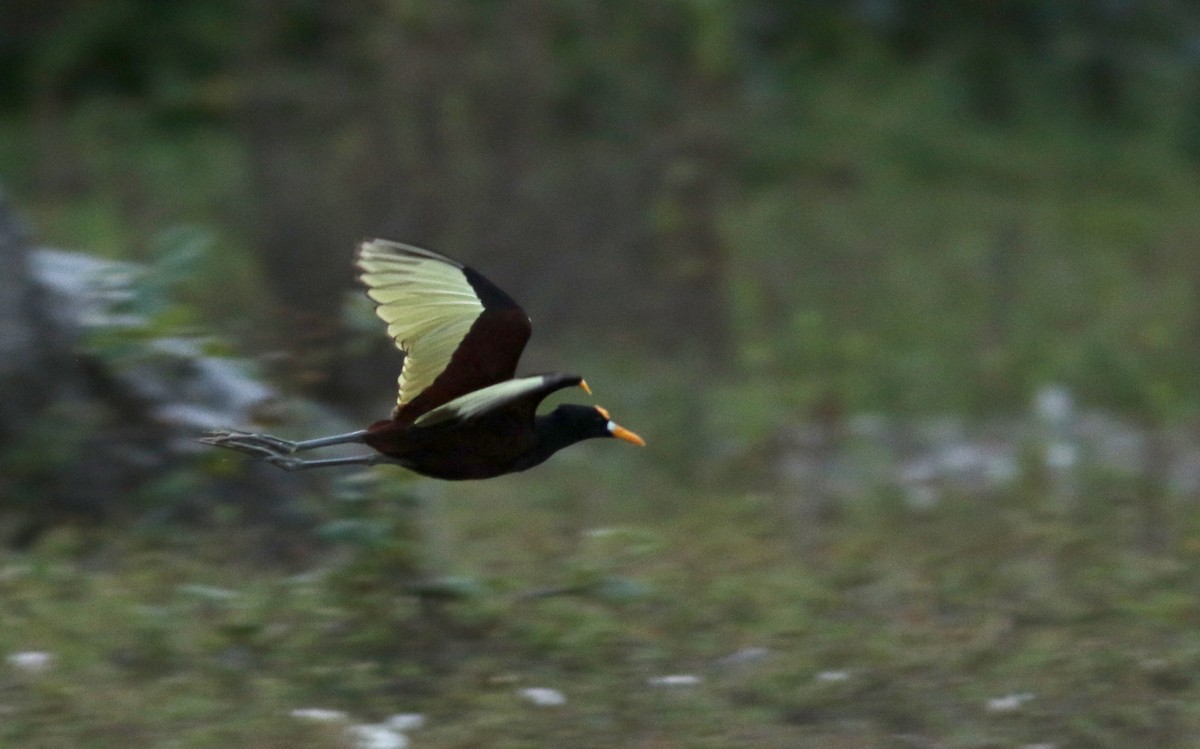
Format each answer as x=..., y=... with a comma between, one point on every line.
x=262, y=445
x=254, y=450
x=286, y=462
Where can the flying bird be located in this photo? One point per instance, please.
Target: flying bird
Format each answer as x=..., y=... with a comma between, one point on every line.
x=461, y=413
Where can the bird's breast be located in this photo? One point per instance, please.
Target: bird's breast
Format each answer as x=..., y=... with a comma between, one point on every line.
x=455, y=452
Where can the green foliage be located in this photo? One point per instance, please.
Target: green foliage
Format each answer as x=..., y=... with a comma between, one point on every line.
x=378, y=523
x=142, y=301
x=46, y=451
x=956, y=216
x=911, y=622
x=919, y=262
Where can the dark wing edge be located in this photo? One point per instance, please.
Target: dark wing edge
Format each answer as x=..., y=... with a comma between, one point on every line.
x=459, y=331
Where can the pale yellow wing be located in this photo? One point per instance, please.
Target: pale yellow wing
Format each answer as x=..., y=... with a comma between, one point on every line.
x=427, y=303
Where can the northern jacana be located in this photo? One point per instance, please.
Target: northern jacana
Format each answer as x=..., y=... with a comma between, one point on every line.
x=460, y=413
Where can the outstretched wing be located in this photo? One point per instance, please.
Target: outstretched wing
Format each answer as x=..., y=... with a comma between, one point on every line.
x=459, y=332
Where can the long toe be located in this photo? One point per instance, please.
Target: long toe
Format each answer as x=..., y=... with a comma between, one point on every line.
x=218, y=438
x=248, y=445
x=247, y=442
x=275, y=443
x=286, y=462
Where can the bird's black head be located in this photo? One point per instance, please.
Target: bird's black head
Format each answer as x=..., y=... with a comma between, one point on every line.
x=585, y=422
x=570, y=423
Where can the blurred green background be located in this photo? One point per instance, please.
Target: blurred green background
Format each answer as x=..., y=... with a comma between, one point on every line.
x=903, y=296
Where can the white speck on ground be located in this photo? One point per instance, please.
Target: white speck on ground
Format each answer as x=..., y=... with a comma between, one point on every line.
x=745, y=655
x=31, y=661
x=1054, y=404
x=543, y=696
x=376, y=736
x=1009, y=702
x=674, y=680
x=318, y=714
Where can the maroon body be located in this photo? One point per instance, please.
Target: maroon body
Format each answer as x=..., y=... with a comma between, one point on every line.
x=503, y=440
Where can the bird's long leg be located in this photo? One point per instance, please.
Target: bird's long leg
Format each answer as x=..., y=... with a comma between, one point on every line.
x=337, y=439
x=281, y=452
x=292, y=463
x=267, y=444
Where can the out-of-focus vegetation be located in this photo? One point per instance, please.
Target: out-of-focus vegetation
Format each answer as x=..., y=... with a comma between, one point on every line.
x=748, y=223
x=916, y=208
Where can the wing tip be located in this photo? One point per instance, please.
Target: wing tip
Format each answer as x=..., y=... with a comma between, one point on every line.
x=388, y=247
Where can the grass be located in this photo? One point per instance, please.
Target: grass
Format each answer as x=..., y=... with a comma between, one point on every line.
x=899, y=628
